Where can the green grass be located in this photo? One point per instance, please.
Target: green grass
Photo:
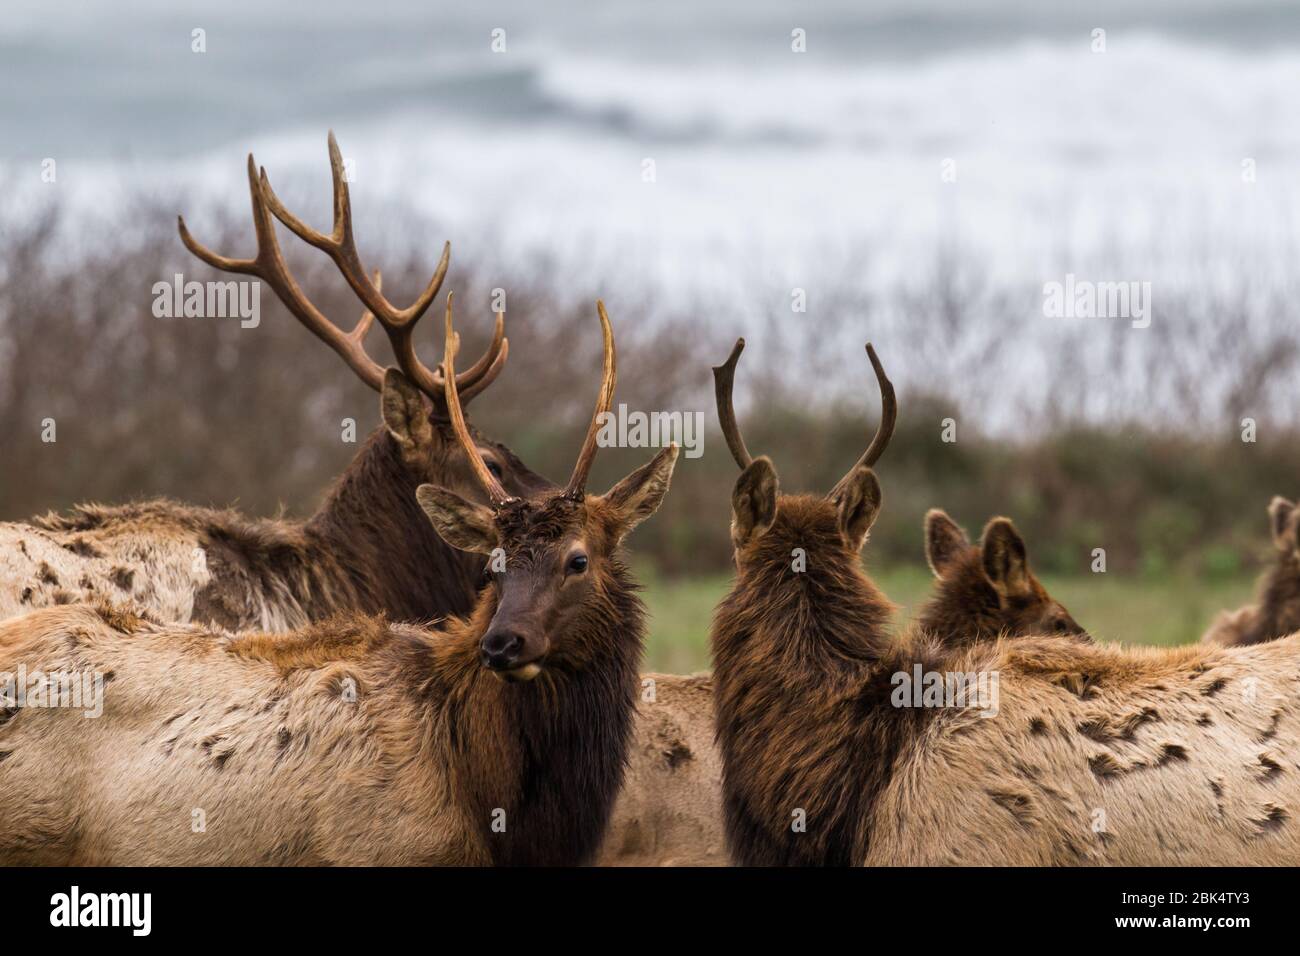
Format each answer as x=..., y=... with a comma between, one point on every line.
x=1129, y=609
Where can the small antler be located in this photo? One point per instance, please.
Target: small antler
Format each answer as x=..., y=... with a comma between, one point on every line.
x=888, y=417
x=724, y=377
x=578, y=482
x=269, y=265
x=497, y=495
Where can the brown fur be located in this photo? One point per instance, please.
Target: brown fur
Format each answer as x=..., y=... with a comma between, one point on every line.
x=1097, y=755
x=969, y=605
x=1277, y=611
x=260, y=735
x=669, y=812
x=368, y=548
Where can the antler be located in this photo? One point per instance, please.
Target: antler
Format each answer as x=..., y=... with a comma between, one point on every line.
x=888, y=417
x=724, y=377
x=269, y=265
x=578, y=482
x=495, y=492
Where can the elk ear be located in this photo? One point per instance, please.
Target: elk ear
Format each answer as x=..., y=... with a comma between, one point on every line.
x=753, y=501
x=1006, y=562
x=945, y=541
x=406, y=416
x=462, y=524
x=1279, y=515
x=639, y=495
x=857, y=502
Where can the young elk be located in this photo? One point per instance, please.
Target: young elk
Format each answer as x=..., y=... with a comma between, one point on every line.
x=498, y=739
x=367, y=548
x=1081, y=754
x=1277, y=611
x=987, y=591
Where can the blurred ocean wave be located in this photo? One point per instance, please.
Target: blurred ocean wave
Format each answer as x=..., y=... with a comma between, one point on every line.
x=682, y=154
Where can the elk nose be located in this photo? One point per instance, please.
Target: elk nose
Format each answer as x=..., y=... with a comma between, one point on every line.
x=500, y=649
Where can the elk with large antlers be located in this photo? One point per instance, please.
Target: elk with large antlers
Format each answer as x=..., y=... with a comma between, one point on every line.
x=368, y=547
x=1090, y=754
x=499, y=738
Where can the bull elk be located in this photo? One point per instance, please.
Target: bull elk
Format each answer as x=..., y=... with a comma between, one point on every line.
x=498, y=738
x=1094, y=755
x=367, y=548
x=988, y=590
x=1277, y=611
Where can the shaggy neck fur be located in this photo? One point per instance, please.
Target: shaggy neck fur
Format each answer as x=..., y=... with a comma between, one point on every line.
x=550, y=753
x=371, y=537
x=802, y=667
x=1279, y=605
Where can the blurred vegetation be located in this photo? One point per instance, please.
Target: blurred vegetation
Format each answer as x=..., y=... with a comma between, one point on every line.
x=1114, y=608
x=1135, y=448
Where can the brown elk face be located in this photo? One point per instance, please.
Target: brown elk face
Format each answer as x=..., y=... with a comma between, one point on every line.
x=766, y=524
x=553, y=557
x=987, y=590
x=412, y=399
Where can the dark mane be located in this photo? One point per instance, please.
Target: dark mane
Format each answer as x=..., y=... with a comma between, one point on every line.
x=381, y=547
x=551, y=753
x=800, y=675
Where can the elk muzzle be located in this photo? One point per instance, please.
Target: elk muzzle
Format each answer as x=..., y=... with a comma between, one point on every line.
x=514, y=644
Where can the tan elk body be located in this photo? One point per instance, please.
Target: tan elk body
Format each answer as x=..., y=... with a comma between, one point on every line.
x=496, y=739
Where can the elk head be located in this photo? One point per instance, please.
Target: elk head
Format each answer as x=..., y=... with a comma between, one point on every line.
x=558, y=582
x=839, y=521
x=412, y=395
x=986, y=590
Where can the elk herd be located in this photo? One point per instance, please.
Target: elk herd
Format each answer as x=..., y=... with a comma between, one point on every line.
x=441, y=666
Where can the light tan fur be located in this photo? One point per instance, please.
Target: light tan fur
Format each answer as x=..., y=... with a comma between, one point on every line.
x=669, y=810
x=1102, y=755
x=151, y=559
x=255, y=738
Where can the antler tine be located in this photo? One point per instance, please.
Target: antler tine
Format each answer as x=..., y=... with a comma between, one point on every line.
x=724, y=376
x=487, y=378
x=487, y=361
x=341, y=247
x=496, y=494
x=888, y=417
x=578, y=482
x=269, y=266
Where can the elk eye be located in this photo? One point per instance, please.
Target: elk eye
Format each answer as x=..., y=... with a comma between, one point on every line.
x=578, y=564
x=493, y=467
